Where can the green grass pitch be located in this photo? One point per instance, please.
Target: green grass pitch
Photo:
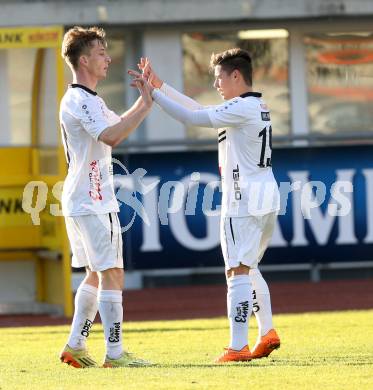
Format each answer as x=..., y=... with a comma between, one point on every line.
x=319, y=351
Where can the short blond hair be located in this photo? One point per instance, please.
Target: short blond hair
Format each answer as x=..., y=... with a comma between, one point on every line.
x=78, y=40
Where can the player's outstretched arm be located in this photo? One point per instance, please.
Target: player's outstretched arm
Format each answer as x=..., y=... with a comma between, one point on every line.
x=130, y=120
x=174, y=109
x=185, y=115
x=148, y=72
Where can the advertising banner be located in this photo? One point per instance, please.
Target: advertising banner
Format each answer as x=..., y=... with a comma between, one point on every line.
x=170, y=207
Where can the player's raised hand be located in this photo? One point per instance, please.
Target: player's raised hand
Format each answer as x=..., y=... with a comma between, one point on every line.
x=142, y=65
x=145, y=67
x=138, y=78
x=143, y=85
x=145, y=92
x=135, y=76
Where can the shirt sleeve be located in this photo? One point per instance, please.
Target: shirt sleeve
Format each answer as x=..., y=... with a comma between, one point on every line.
x=114, y=118
x=180, y=98
x=91, y=116
x=180, y=113
x=228, y=114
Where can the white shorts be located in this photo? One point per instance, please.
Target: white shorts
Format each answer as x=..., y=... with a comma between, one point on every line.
x=96, y=241
x=245, y=239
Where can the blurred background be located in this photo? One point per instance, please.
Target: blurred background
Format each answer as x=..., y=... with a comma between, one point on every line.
x=313, y=62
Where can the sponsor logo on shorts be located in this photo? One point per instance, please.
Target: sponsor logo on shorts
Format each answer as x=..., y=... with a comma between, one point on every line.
x=236, y=183
x=115, y=333
x=242, y=311
x=86, y=328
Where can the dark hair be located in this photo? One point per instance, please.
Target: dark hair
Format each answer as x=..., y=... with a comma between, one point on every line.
x=234, y=59
x=78, y=40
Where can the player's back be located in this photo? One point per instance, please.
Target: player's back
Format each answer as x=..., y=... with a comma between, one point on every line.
x=245, y=155
x=252, y=138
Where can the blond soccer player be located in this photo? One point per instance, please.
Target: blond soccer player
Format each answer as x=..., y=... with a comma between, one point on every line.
x=89, y=131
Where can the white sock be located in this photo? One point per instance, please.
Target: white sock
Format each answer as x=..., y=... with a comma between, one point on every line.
x=111, y=313
x=84, y=315
x=261, y=302
x=239, y=305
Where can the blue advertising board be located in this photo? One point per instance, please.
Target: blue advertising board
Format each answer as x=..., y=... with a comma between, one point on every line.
x=170, y=207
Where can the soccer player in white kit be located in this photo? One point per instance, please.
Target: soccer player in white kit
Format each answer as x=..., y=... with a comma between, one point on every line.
x=89, y=131
x=250, y=200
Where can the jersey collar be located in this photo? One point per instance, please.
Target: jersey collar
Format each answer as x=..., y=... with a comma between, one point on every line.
x=83, y=87
x=255, y=94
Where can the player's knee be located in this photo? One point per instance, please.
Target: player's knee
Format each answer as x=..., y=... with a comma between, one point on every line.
x=240, y=270
x=120, y=275
x=112, y=277
x=91, y=278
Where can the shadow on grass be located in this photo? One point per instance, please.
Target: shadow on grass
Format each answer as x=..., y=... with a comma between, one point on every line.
x=362, y=360
x=99, y=331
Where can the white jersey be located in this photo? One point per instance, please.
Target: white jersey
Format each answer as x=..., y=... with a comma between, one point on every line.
x=245, y=147
x=88, y=187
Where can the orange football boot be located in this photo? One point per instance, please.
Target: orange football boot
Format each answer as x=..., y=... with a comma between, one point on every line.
x=231, y=355
x=266, y=344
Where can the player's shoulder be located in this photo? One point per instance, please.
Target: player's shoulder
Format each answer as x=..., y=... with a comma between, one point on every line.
x=240, y=105
x=255, y=106
x=77, y=97
x=251, y=99
x=233, y=104
x=81, y=92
